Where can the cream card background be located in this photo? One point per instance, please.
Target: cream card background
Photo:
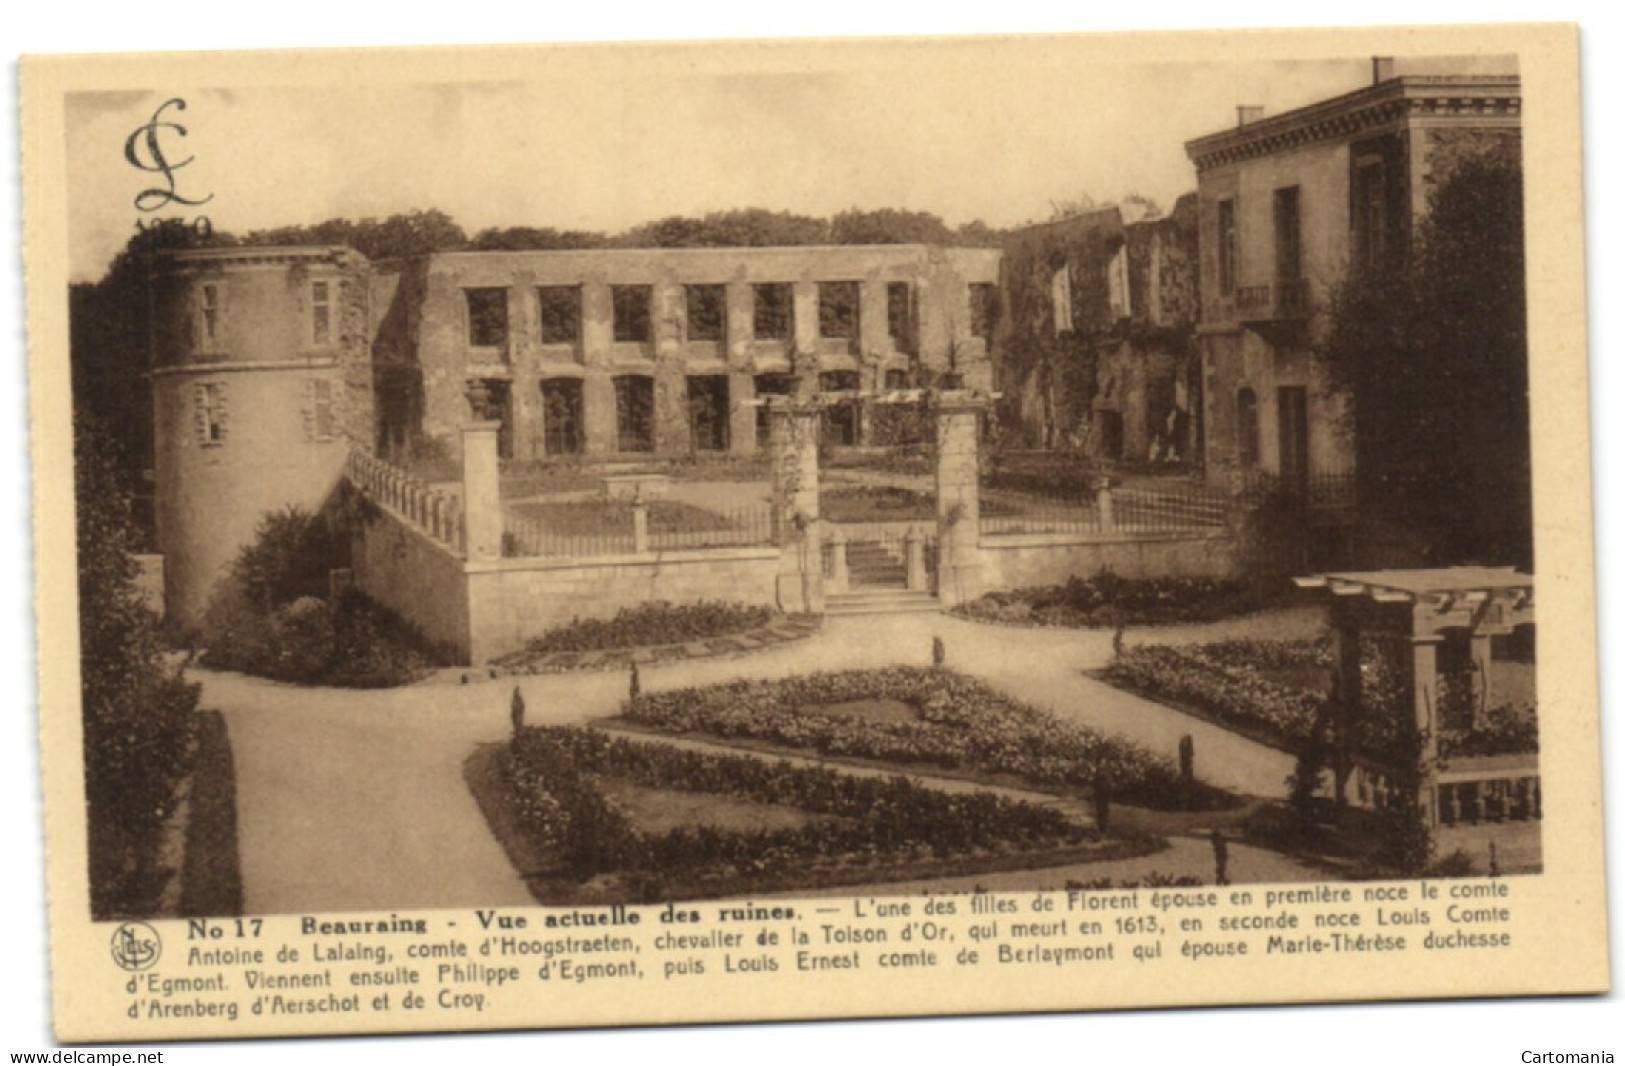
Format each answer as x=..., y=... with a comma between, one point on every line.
x=1476, y=1032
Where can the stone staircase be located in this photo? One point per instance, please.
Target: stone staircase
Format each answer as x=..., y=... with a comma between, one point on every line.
x=877, y=583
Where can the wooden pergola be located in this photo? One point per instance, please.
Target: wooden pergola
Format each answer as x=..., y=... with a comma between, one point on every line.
x=1421, y=606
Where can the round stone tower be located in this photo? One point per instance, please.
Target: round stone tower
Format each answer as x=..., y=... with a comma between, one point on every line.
x=261, y=379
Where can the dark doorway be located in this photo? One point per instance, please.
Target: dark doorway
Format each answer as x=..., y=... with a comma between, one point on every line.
x=561, y=416
x=1111, y=434
x=708, y=412
x=1292, y=416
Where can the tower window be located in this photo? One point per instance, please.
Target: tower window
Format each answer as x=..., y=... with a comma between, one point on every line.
x=984, y=309
x=209, y=413
x=707, y=312
x=321, y=313
x=323, y=426
x=209, y=315
x=1227, y=247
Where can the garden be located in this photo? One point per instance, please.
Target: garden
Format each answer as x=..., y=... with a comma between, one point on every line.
x=652, y=624
x=596, y=818
x=1106, y=600
x=925, y=718
x=1275, y=691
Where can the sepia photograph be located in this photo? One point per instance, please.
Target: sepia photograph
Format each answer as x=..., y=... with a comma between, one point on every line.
x=924, y=503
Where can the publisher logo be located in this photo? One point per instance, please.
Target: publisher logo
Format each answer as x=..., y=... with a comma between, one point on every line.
x=136, y=946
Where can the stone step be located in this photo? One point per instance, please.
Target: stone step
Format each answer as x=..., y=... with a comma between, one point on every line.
x=880, y=601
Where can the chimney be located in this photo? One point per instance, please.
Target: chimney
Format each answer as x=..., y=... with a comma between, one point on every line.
x=1382, y=68
x=1246, y=114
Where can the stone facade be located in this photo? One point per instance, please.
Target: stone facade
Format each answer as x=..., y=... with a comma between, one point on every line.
x=1288, y=204
x=566, y=348
x=1096, y=344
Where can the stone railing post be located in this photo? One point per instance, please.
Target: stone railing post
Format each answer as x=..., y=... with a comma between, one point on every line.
x=640, y=527
x=914, y=559
x=959, y=510
x=1104, y=506
x=482, y=492
x=839, y=578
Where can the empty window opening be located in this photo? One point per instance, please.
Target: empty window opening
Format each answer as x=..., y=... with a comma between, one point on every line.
x=561, y=416
x=487, y=317
x=707, y=312
x=838, y=310
x=771, y=313
x=561, y=314
x=631, y=312
x=708, y=412
x=635, y=414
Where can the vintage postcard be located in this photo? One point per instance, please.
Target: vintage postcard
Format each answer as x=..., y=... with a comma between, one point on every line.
x=641, y=534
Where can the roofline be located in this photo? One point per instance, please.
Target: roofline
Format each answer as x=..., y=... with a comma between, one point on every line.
x=1450, y=95
x=726, y=249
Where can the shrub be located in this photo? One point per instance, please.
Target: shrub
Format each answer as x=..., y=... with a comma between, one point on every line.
x=1506, y=730
x=1106, y=600
x=653, y=622
x=138, y=709
x=270, y=617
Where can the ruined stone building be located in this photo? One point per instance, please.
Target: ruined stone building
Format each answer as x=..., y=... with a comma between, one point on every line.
x=271, y=363
x=1289, y=204
x=1095, y=346
x=638, y=352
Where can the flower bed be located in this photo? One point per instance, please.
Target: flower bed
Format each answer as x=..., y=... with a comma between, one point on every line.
x=960, y=724
x=654, y=622
x=1106, y=600
x=553, y=774
x=1274, y=690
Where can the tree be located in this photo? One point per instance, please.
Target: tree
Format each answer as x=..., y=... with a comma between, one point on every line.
x=533, y=238
x=1433, y=352
x=138, y=709
x=889, y=226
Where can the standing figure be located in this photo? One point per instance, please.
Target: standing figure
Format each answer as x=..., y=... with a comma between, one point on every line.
x=939, y=651
x=517, y=710
x=1103, y=797
x=637, y=685
x=1221, y=858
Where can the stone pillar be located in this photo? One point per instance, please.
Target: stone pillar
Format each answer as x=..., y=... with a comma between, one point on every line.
x=838, y=576
x=1104, y=508
x=804, y=335
x=959, y=564
x=1348, y=689
x=482, y=491
x=1425, y=686
x=640, y=526
x=796, y=526
x=1483, y=692
x=914, y=560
